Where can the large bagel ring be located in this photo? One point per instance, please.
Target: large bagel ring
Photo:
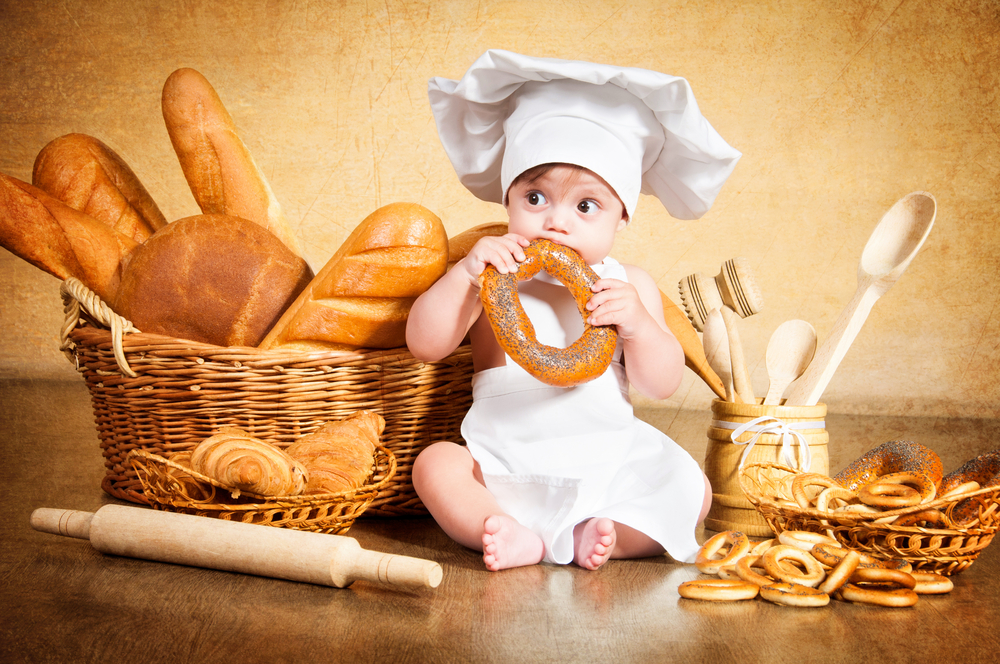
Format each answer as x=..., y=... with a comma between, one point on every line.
x=892, y=457
x=739, y=546
x=587, y=358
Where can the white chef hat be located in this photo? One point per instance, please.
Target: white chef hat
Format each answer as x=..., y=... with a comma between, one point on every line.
x=640, y=130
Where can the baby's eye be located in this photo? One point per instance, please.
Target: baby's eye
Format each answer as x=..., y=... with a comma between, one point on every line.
x=535, y=198
x=587, y=206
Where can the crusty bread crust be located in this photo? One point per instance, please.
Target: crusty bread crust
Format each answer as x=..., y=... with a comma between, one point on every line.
x=87, y=175
x=219, y=168
x=211, y=278
x=362, y=296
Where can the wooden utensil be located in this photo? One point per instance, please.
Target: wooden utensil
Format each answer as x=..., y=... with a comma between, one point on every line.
x=789, y=352
x=893, y=244
x=734, y=286
x=694, y=352
x=185, y=539
x=716, y=341
x=741, y=377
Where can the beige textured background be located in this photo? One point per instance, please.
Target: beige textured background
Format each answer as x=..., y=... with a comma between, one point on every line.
x=840, y=108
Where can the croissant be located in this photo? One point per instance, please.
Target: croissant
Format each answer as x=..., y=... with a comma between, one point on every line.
x=339, y=455
x=233, y=458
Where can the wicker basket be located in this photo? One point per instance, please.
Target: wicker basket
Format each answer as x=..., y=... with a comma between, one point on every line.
x=943, y=550
x=171, y=485
x=165, y=395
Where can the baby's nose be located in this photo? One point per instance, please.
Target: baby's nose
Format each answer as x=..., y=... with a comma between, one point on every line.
x=558, y=220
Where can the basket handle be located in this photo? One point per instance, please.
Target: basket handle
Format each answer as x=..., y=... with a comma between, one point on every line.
x=74, y=296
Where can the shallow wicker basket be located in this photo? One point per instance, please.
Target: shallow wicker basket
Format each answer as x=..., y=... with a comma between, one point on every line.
x=165, y=395
x=943, y=550
x=171, y=485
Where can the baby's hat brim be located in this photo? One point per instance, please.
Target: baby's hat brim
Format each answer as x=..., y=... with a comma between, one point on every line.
x=681, y=160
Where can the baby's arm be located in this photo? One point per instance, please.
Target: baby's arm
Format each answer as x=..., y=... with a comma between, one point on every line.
x=442, y=315
x=654, y=359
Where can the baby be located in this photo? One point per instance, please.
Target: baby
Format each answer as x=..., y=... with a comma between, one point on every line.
x=548, y=473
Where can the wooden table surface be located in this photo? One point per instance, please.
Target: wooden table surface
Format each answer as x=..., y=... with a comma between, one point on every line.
x=62, y=601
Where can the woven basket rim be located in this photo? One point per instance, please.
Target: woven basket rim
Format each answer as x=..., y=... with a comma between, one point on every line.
x=867, y=519
x=267, y=502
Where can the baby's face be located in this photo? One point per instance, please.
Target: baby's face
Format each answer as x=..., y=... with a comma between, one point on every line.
x=569, y=206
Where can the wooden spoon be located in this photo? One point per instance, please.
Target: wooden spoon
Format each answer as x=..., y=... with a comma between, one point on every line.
x=893, y=244
x=716, y=341
x=694, y=351
x=789, y=352
x=741, y=377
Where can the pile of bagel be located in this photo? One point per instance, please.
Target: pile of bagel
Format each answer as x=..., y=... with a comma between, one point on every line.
x=804, y=569
x=896, y=476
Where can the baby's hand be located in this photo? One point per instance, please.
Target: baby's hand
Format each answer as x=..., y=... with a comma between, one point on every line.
x=502, y=252
x=617, y=303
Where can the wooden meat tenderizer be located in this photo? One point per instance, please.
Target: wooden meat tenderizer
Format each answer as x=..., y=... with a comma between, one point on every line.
x=185, y=539
x=734, y=286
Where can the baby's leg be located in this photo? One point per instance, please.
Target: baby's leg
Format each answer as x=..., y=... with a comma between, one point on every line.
x=600, y=539
x=451, y=487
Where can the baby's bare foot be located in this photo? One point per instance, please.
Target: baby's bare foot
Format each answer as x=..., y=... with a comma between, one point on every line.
x=506, y=543
x=595, y=541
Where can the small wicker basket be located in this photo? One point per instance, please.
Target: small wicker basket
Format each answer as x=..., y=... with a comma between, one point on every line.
x=172, y=485
x=165, y=395
x=943, y=550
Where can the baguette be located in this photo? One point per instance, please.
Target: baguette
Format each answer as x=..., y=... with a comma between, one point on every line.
x=210, y=278
x=362, y=296
x=60, y=240
x=87, y=175
x=218, y=166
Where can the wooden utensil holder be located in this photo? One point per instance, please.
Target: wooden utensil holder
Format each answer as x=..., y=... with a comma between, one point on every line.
x=730, y=508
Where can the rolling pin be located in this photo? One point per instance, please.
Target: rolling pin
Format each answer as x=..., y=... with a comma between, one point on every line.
x=185, y=539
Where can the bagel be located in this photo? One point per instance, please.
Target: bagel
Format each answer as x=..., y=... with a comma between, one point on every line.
x=881, y=576
x=587, y=358
x=929, y=583
x=804, y=539
x=928, y=519
x=984, y=470
x=739, y=546
x=745, y=570
x=804, y=570
x=793, y=594
x=831, y=556
x=888, y=495
x=843, y=496
x=841, y=574
x=895, y=597
x=717, y=590
x=805, y=480
x=894, y=456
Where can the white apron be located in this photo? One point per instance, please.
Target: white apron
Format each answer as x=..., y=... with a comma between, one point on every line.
x=554, y=457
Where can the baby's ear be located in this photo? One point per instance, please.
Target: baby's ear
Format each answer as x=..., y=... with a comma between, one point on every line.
x=623, y=222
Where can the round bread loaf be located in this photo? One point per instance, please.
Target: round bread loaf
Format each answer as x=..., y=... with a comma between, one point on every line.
x=212, y=278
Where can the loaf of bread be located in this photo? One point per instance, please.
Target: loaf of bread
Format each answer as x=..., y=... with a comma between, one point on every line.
x=211, y=278
x=241, y=462
x=339, y=456
x=362, y=296
x=459, y=245
x=60, y=240
x=87, y=175
x=217, y=164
